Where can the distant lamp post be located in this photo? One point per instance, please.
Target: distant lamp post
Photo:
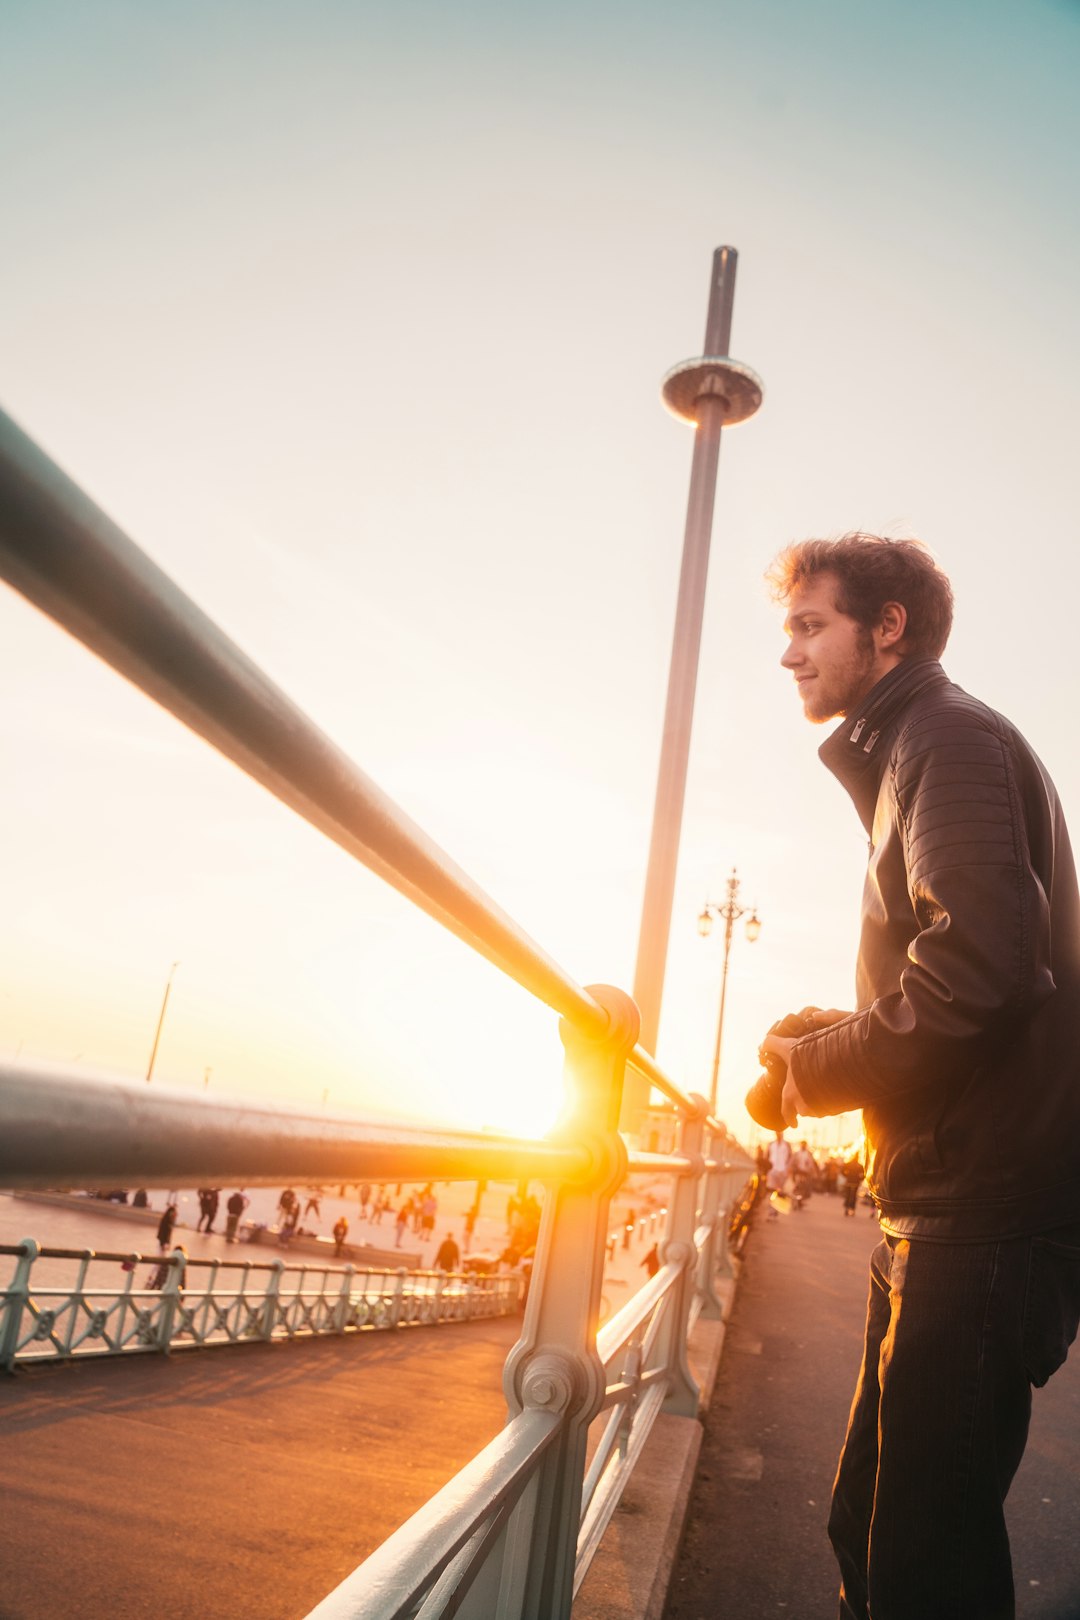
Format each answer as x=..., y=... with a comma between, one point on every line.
x=161, y=1020
x=730, y=910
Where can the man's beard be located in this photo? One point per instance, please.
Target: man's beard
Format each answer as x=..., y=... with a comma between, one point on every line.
x=846, y=686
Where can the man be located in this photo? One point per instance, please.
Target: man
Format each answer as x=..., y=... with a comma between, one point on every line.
x=964, y=1056
x=449, y=1255
x=234, y=1208
x=779, y=1165
x=803, y=1168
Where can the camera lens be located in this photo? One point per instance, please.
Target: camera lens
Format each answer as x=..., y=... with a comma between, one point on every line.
x=763, y=1102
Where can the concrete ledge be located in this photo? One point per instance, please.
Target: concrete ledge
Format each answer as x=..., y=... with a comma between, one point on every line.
x=92, y=1206
x=631, y=1573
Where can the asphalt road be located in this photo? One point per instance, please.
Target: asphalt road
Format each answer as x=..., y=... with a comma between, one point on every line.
x=756, y=1541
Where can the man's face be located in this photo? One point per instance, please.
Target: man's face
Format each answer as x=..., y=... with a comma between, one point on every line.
x=833, y=659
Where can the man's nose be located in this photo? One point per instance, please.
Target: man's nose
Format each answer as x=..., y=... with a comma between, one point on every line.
x=791, y=657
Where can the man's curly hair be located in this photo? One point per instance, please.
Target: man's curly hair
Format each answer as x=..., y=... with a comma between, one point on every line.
x=871, y=570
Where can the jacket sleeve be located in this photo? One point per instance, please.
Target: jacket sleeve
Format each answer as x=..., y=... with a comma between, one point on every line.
x=978, y=964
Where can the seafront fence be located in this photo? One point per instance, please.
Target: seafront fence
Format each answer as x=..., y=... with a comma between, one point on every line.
x=132, y=1303
x=512, y=1535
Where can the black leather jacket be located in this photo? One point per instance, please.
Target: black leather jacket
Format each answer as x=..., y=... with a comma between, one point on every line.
x=965, y=1051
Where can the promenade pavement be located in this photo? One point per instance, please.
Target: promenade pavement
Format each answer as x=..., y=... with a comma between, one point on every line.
x=245, y=1480
x=755, y=1543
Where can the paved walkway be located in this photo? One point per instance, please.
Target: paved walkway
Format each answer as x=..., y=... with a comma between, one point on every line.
x=242, y=1481
x=756, y=1543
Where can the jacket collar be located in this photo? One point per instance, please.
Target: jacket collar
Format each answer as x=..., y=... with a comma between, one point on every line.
x=858, y=750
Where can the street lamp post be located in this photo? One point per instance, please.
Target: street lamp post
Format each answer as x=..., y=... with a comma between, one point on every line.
x=731, y=911
x=161, y=1020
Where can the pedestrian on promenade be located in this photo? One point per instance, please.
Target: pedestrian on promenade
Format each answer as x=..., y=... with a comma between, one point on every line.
x=365, y=1199
x=779, y=1154
x=313, y=1204
x=651, y=1261
x=341, y=1232
x=852, y=1172
x=234, y=1208
x=402, y=1222
x=449, y=1255
x=803, y=1170
x=962, y=1054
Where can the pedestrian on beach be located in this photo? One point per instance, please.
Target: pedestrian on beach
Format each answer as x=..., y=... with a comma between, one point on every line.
x=962, y=1054
x=165, y=1228
x=234, y=1208
x=341, y=1232
x=209, y=1198
x=449, y=1255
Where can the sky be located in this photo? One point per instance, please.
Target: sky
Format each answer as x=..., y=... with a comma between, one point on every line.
x=354, y=316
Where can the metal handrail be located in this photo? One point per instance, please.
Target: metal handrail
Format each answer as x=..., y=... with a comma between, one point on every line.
x=73, y=562
x=123, y=1132
x=645, y=1064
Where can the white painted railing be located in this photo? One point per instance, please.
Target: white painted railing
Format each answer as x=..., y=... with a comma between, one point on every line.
x=117, y=1304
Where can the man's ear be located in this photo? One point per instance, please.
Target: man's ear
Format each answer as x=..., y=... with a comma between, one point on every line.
x=891, y=627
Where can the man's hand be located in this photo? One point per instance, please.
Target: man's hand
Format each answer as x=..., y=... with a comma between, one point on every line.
x=791, y=1103
x=822, y=1017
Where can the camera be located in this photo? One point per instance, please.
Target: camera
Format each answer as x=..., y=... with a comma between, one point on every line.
x=763, y=1098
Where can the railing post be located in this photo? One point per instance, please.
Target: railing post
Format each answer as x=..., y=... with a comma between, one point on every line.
x=344, y=1300
x=398, y=1300
x=272, y=1299
x=713, y=1215
x=554, y=1366
x=18, y=1297
x=171, y=1295
x=684, y=1396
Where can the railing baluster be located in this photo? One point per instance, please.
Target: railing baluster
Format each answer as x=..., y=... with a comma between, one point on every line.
x=18, y=1296
x=344, y=1301
x=684, y=1396
x=171, y=1298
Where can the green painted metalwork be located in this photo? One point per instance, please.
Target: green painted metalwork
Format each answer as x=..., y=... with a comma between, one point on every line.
x=164, y=1304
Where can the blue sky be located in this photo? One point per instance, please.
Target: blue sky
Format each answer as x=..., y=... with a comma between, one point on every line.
x=355, y=316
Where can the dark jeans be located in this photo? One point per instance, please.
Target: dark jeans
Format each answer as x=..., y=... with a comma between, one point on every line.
x=956, y=1335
